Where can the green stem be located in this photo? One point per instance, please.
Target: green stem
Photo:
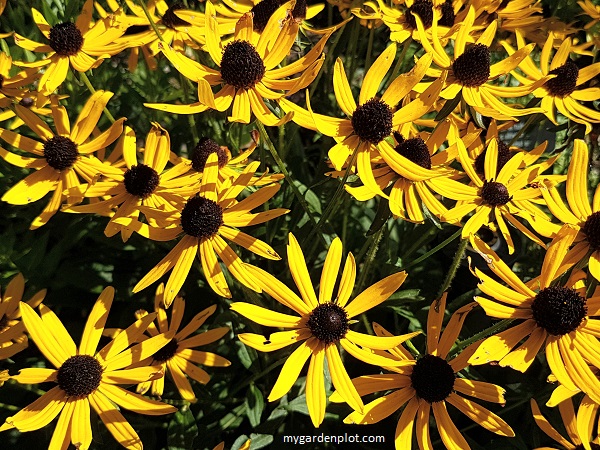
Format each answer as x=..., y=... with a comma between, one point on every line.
x=530, y=121
x=424, y=237
x=435, y=249
x=265, y=137
x=497, y=327
x=458, y=256
x=83, y=77
x=149, y=17
x=185, y=84
x=369, y=258
x=369, y=49
x=352, y=50
x=400, y=61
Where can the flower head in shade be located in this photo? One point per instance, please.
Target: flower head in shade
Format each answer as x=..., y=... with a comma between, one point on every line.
x=321, y=324
x=566, y=88
x=81, y=45
x=12, y=328
x=204, y=220
x=577, y=425
x=148, y=182
x=498, y=195
x=428, y=385
x=86, y=378
x=579, y=213
x=556, y=316
x=179, y=358
x=60, y=159
x=246, y=69
x=362, y=135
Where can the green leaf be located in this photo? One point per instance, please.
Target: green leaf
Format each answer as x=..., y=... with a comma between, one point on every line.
x=255, y=404
x=260, y=441
x=448, y=107
x=182, y=430
x=401, y=297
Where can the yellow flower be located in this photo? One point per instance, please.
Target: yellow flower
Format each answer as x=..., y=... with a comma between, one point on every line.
x=580, y=214
x=578, y=428
x=498, y=195
x=363, y=134
x=148, y=183
x=178, y=358
x=590, y=10
x=82, y=45
x=12, y=328
x=61, y=158
x=86, y=378
x=565, y=90
x=205, y=219
x=322, y=323
x=428, y=385
x=247, y=69
x=557, y=316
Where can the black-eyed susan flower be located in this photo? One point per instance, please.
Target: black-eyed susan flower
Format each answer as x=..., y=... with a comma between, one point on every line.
x=556, y=316
x=205, y=219
x=498, y=196
x=410, y=194
x=470, y=70
x=247, y=72
x=590, y=10
x=11, y=87
x=580, y=214
x=565, y=91
x=12, y=328
x=179, y=358
x=86, y=378
x=580, y=433
x=60, y=159
x=363, y=133
x=148, y=183
x=82, y=45
x=428, y=385
x=321, y=325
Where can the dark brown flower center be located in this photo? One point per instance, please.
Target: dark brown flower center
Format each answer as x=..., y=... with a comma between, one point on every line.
x=472, y=68
x=328, y=322
x=414, y=149
x=298, y=13
x=172, y=20
x=79, y=376
x=558, y=310
x=565, y=81
x=167, y=352
x=432, y=378
x=66, y=39
x=503, y=157
x=494, y=194
x=1, y=81
x=591, y=229
x=372, y=121
x=262, y=12
x=201, y=217
x=241, y=65
x=593, y=446
x=141, y=180
x=423, y=9
x=205, y=147
x=60, y=152
x=447, y=19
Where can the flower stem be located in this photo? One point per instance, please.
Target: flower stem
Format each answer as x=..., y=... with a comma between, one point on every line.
x=149, y=17
x=458, y=256
x=265, y=137
x=497, y=327
x=435, y=249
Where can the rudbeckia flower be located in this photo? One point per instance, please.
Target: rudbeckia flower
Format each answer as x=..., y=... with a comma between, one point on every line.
x=566, y=89
x=12, y=328
x=579, y=432
x=580, y=214
x=247, y=70
x=363, y=134
x=11, y=87
x=179, y=358
x=61, y=158
x=86, y=378
x=501, y=194
x=558, y=316
x=591, y=11
x=147, y=183
x=205, y=219
x=82, y=45
x=470, y=71
x=321, y=325
x=427, y=385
